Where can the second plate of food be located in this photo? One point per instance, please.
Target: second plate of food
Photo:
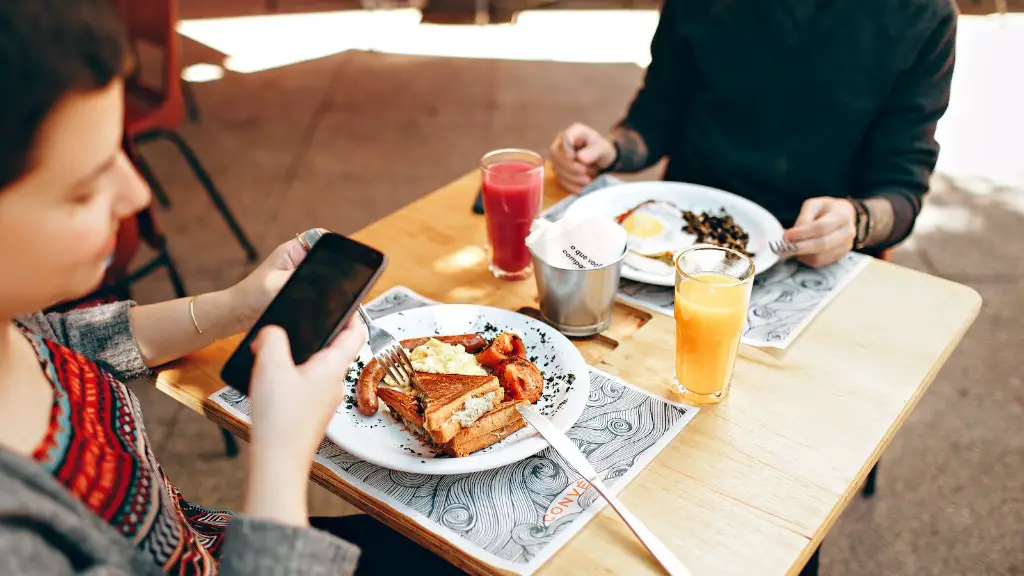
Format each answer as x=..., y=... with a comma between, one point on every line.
x=478, y=361
x=663, y=218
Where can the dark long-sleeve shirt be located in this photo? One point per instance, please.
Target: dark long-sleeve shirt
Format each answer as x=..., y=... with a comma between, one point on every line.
x=784, y=100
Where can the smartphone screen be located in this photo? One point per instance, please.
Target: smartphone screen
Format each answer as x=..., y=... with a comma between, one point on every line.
x=312, y=306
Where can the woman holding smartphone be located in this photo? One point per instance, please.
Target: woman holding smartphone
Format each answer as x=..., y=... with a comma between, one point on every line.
x=80, y=489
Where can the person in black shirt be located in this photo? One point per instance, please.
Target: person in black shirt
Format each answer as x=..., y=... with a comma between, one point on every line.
x=823, y=112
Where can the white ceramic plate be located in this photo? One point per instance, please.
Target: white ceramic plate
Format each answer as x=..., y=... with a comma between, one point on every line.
x=381, y=440
x=759, y=223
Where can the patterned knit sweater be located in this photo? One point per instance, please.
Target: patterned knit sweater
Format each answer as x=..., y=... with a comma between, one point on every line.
x=96, y=449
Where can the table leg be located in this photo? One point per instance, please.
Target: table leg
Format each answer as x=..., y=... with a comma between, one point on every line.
x=191, y=106
x=869, y=483
x=811, y=568
x=230, y=444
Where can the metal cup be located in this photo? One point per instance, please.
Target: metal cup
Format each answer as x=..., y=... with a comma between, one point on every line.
x=577, y=302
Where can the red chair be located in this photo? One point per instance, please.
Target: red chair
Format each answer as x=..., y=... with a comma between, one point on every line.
x=119, y=278
x=155, y=112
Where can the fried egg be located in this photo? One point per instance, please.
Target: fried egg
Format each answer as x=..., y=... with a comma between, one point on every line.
x=656, y=228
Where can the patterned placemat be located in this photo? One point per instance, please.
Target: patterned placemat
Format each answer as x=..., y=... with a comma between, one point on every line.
x=515, y=517
x=784, y=299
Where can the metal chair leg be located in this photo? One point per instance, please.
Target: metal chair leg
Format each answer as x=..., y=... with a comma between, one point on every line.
x=868, y=490
x=191, y=106
x=147, y=174
x=211, y=190
x=172, y=272
x=230, y=444
x=811, y=568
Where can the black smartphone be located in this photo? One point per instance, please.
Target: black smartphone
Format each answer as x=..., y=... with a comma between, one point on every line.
x=315, y=303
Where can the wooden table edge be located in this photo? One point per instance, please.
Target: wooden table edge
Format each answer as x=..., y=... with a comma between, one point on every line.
x=854, y=489
x=199, y=401
x=368, y=504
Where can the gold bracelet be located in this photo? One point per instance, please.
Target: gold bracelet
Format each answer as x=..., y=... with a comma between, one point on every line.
x=192, y=312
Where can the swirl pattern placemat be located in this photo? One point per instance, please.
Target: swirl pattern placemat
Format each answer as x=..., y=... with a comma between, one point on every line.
x=784, y=299
x=515, y=517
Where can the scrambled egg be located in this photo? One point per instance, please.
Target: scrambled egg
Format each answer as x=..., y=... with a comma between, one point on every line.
x=442, y=358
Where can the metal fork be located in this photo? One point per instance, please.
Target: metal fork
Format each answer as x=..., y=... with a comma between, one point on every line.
x=781, y=246
x=388, y=352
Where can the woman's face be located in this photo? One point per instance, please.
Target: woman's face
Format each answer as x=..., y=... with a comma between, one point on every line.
x=58, y=223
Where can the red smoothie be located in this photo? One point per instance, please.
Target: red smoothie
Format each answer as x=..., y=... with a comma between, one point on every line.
x=512, y=191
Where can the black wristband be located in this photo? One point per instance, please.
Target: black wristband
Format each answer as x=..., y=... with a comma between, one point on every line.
x=862, y=224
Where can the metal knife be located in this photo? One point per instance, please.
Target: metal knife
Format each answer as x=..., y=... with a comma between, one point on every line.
x=561, y=443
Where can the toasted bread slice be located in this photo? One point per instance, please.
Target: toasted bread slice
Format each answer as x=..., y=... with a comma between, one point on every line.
x=450, y=401
x=406, y=409
x=491, y=428
x=402, y=405
x=472, y=411
x=474, y=396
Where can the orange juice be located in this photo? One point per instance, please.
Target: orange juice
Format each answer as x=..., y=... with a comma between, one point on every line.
x=710, y=309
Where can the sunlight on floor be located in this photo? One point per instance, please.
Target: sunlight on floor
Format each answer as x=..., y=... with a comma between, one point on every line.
x=255, y=43
x=983, y=131
x=1011, y=200
x=947, y=219
x=199, y=73
x=981, y=134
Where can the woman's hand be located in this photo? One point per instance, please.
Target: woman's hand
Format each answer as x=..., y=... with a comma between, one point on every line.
x=824, y=231
x=255, y=291
x=166, y=331
x=291, y=407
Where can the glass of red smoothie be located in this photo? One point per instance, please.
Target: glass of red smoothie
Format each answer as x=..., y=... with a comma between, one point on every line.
x=513, y=188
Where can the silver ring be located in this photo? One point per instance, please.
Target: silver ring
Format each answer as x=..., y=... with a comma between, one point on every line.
x=308, y=238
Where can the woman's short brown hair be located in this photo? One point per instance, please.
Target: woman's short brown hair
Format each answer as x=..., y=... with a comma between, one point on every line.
x=49, y=49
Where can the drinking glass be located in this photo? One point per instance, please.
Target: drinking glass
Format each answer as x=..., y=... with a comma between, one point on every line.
x=512, y=181
x=712, y=296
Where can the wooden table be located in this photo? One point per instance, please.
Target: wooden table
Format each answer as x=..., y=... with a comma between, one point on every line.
x=750, y=486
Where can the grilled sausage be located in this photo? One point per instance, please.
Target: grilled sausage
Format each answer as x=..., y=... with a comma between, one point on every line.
x=373, y=372
x=366, y=387
x=473, y=343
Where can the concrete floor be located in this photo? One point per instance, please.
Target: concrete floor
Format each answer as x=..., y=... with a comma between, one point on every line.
x=343, y=139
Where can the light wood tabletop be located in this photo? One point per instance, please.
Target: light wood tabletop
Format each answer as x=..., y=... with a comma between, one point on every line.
x=752, y=485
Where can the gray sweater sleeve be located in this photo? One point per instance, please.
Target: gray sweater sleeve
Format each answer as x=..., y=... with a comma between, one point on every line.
x=252, y=548
x=24, y=552
x=257, y=547
x=101, y=333
x=45, y=530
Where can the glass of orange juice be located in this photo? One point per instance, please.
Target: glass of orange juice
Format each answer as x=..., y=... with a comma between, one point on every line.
x=712, y=294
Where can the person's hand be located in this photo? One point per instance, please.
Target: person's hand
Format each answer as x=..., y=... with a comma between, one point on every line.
x=254, y=292
x=578, y=154
x=824, y=231
x=291, y=407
